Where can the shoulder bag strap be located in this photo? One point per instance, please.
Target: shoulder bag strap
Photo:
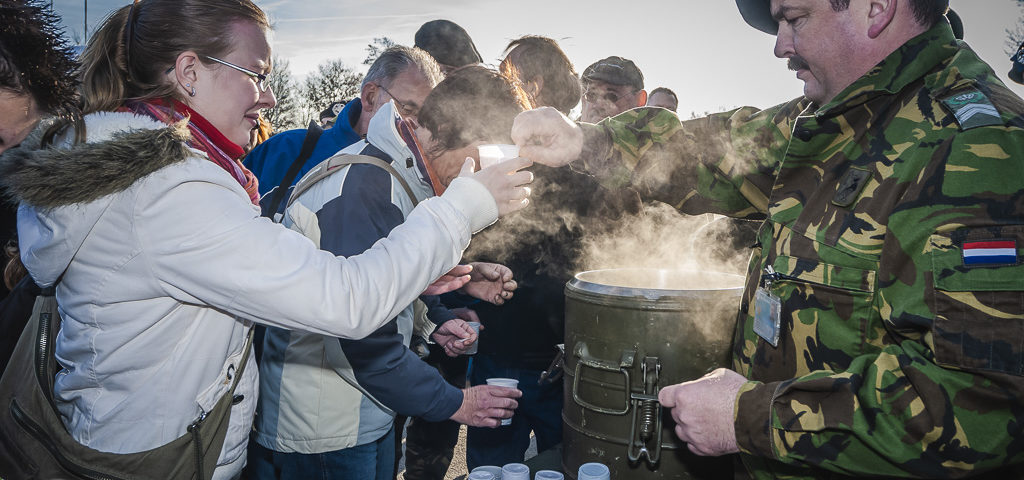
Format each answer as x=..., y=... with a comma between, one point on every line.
x=308, y=144
x=206, y=452
x=246, y=350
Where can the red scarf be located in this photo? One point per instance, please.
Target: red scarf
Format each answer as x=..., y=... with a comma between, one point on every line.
x=205, y=137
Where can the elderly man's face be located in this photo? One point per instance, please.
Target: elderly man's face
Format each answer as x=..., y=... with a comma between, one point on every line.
x=408, y=89
x=18, y=116
x=819, y=43
x=602, y=100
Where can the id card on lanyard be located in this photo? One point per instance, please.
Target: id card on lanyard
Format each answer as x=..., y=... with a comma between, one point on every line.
x=768, y=310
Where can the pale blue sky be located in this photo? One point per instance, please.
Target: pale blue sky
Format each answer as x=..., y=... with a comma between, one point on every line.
x=702, y=49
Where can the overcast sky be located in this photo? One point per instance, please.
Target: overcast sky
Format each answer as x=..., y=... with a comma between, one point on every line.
x=702, y=49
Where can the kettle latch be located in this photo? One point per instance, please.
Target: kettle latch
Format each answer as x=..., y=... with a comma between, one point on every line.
x=646, y=413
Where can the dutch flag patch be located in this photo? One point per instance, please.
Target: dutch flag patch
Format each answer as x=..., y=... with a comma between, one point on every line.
x=990, y=252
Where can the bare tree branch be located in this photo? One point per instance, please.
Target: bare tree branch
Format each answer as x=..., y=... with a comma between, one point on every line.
x=376, y=48
x=288, y=113
x=332, y=81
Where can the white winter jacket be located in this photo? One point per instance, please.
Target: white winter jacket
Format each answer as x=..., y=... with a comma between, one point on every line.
x=166, y=263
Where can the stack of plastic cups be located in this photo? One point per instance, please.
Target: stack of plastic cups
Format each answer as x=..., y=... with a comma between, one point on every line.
x=515, y=471
x=480, y=475
x=493, y=470
x=593, y=471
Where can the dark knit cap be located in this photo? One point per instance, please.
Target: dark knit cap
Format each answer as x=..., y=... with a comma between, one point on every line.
x=448, y=43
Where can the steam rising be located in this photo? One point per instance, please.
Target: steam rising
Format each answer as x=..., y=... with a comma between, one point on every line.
x=576, y=225
x=662, y=238
x=692, y=253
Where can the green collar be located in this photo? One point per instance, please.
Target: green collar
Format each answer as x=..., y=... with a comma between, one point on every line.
x=908, y=63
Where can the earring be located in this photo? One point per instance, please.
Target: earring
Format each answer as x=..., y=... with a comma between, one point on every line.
x=193, y=92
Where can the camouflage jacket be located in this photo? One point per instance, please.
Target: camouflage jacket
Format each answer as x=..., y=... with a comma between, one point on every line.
x=894, y=223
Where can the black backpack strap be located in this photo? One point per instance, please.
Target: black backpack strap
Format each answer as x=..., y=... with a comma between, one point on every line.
x=279, y=193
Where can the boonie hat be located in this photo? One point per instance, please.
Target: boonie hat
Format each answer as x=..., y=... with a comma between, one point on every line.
x=616, y=71
x=448, y=43
x=757, y=14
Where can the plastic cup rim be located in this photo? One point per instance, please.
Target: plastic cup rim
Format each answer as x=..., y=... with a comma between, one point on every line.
x=521, y=467
x=502, y=148
x=503, y=382
x=548, y=474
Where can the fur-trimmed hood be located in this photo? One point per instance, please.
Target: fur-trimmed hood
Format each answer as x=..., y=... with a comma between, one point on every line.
x=64, y=190
x=120, y=149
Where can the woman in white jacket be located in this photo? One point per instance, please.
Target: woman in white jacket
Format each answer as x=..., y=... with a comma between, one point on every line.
x=152, y=229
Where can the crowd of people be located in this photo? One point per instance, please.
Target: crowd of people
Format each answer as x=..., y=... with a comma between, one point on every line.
x=880, y=332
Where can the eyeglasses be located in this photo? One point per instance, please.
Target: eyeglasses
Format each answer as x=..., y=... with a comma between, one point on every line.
x=259, y=78
x=408, y=109
x=612, y=97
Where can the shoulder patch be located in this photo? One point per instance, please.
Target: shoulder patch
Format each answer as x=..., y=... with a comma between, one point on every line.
x=972, y=109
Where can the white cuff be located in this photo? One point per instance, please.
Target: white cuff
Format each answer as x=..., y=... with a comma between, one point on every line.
x=473, y=200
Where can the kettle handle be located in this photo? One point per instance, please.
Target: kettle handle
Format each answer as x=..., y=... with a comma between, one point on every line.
x=585, y=359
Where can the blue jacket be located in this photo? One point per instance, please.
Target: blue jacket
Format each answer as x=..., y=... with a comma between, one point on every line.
x=270, y=160
x=305, y=404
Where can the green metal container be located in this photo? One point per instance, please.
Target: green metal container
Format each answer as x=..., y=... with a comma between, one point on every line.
x=628, y=333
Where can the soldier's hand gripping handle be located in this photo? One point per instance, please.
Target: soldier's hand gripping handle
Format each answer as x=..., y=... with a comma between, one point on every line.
x=703, y=411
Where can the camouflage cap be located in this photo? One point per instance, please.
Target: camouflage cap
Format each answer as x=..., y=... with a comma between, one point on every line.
x=758, y=14
x=616, y=71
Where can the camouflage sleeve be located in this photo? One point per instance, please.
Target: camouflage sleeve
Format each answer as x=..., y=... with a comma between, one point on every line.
x=724, y=163
x=944, y=396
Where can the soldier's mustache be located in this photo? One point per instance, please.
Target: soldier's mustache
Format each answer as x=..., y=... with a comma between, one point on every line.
x=797, y=62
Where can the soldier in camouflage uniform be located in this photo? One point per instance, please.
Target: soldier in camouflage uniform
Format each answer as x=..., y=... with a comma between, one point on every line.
x=881, y=332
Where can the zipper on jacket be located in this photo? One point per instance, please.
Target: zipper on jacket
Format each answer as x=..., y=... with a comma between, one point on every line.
x=37, y=432
x=770, y=276
x=43, y=353
x=197, y=440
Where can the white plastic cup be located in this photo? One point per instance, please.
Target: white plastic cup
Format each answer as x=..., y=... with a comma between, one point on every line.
x=548, y=475
x=505, y=382
x=476, y=328
x=593, y=471
x=492, y=469
x=493, y=153
x=515, y=471
x=481, y=475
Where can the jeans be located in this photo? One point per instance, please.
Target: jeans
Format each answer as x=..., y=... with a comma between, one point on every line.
x=540, y=410
x=370, y=461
